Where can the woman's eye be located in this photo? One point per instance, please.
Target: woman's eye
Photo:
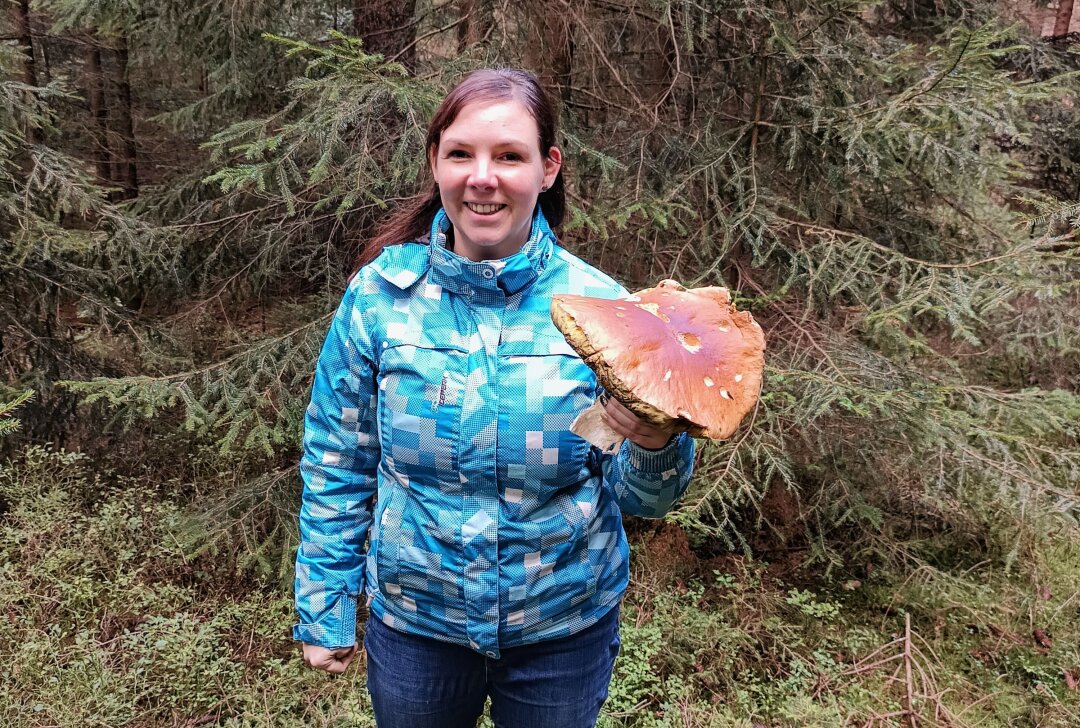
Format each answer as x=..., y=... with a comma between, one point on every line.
x=457, y=154
x=512, y=157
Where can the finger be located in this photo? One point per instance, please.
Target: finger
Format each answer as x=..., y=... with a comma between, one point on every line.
x=320, y=662
x=321, y=658
x=620, y=425
x=344, y=652
x=624, y=421
x=345, y=656
x=614, y=411
x=337, y=667
x=629, y=425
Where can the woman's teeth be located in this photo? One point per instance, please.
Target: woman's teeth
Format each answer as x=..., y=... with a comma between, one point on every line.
x=484, y=209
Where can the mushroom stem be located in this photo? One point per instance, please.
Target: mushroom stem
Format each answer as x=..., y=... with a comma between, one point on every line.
x=591, y=427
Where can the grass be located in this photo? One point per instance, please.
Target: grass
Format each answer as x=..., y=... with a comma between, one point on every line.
x=110, y=619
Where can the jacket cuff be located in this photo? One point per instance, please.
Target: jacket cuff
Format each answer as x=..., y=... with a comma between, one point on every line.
x=655, y=461
x=336, y=629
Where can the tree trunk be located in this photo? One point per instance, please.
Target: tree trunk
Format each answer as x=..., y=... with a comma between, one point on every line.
x=479, y=21
x=46, y=67
x=26, y=42
x=1063, y=18
x=128, y=172
x=387, y=27
x=551, y=54
x=95, y=88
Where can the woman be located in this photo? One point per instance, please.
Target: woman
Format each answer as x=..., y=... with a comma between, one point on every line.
x=439, y=428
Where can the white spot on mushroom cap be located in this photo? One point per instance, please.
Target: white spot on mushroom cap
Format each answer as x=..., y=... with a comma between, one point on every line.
x=738, y=378
x=667, y=375
x=632, y=299
x=654, y=309
x=690, y=342
x=726, y=394
x=709, y=382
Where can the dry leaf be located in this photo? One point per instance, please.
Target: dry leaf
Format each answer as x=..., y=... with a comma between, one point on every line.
x=1042, y=639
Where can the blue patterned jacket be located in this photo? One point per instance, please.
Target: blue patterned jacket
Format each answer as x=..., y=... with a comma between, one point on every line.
x=445, y=390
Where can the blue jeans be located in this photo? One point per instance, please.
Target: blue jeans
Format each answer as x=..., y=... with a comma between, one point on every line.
x=417, y=682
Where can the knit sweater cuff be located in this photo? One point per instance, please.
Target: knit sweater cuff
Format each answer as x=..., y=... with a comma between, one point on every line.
x=655, y=461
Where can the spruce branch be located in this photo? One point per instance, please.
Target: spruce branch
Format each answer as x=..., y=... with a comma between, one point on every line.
x=9, y=424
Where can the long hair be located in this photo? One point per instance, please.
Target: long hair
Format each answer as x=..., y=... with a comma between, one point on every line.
x=413, y=218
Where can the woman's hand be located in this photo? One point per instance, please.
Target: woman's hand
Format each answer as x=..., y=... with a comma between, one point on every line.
x=333, y=661
x=632, y=427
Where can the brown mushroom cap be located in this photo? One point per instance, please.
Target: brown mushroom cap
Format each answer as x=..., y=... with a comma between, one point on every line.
x=680, y=359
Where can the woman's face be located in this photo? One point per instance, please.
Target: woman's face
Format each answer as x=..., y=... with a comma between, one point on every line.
x=490, y=170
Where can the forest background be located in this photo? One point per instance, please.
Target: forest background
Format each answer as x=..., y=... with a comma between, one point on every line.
x=890, y=540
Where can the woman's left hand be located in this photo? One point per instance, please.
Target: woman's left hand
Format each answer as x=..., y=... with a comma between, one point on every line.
x=632, y=427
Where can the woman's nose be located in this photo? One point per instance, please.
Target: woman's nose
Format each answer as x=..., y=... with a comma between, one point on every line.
x=483, y=174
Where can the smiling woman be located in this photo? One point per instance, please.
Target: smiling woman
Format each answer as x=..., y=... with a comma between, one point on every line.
x=490, y=87
x=442, y=483
x=490, y=173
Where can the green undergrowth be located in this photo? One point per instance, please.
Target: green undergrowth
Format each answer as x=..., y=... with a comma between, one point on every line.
x=732, y=641
x=109, y=619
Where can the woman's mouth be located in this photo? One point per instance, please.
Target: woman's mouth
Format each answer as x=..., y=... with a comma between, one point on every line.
x=490, y=209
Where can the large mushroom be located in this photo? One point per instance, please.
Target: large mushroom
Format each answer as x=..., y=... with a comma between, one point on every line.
x=681, y=359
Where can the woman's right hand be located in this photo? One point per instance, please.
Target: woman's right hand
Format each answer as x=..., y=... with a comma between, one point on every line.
x=333, y=661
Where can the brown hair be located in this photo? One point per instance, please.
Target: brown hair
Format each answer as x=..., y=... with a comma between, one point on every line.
x=413, y=218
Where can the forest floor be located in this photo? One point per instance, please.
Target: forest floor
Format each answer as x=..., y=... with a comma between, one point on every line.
x=112, y=617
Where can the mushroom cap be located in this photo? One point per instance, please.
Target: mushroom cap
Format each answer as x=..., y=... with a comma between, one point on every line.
x=682, y=359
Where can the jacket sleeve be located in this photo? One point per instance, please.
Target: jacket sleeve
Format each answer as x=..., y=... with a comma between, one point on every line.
x=338, y=467
x=649, y=482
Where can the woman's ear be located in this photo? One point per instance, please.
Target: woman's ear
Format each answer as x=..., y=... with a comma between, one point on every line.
x=552, y=165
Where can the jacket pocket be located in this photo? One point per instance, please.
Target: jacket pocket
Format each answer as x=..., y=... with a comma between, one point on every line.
x=386, y=535
x=549, y=385
x=431, y=582
x=418, y=566
x=421, y=386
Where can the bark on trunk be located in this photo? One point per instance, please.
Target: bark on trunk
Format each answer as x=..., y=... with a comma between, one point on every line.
x=387, y=27
x=26, y=41
x=1063, y=18
x=552, y=53
x=46, y=67
x=128, y=172
x=95, y=88
x=479, y=22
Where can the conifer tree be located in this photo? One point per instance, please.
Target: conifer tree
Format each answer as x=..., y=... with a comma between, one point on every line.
x=26, y=42
x=95, y=91
x=128, y=158
x=387, y=27
x=8, y=423
x=883, y=187
x=1063, y=17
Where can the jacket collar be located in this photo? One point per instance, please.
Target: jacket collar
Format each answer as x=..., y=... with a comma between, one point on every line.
x=510, y=274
